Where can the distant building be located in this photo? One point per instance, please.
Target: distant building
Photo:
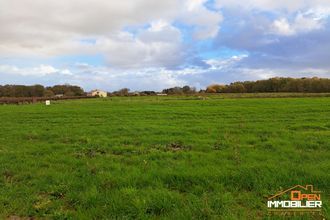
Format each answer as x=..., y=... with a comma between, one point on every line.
x=98, y=93
x=59, y=95
x=161, y=94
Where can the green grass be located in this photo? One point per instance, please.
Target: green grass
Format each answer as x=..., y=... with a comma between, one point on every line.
x=160, y=157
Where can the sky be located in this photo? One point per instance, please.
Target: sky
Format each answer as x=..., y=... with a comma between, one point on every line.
x=152, y=45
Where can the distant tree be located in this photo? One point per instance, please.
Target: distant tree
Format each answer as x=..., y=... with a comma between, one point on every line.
x=215, y=88
x=188, y=90
x=38, y=91
x=77, y=91
x=179, y=90
x=173, y=91
x=276, y=84
x=49, y=93
x=148, y=93
x=121, y=92
x=69, y=93
x=236, y=88
x=67, y=90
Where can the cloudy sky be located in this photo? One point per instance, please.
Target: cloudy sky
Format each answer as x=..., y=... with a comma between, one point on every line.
x=151, y=45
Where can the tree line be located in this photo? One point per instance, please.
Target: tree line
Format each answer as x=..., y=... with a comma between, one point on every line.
x=308, y=85
x=185, y=90
x=180, y=90
x=40, y=91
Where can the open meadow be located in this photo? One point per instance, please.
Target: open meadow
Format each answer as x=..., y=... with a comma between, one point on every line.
x=160, y=157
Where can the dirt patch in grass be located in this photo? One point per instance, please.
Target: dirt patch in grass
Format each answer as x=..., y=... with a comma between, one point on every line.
x=90, y=152
x=221, y=145
x=8, y=176
x=307, y=127
x=14, y=217
x=174, y=147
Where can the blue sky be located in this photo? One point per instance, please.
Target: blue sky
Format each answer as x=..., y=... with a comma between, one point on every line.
x=151, y=45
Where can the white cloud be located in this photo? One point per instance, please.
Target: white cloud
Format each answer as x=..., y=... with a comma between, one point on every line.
x=143, y=44
x=206, y=23
x=291, y=17
x=282, y=27
x=302, y=23
x=271, y=5
x=35, y=28
x=155, y=47
x=41, y=70
x=217, y=64
x=49, y=27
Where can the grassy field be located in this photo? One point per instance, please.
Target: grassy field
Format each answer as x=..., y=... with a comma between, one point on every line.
x=160, y=157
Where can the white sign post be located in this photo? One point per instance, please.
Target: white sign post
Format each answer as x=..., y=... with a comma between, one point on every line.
x=47, y=102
